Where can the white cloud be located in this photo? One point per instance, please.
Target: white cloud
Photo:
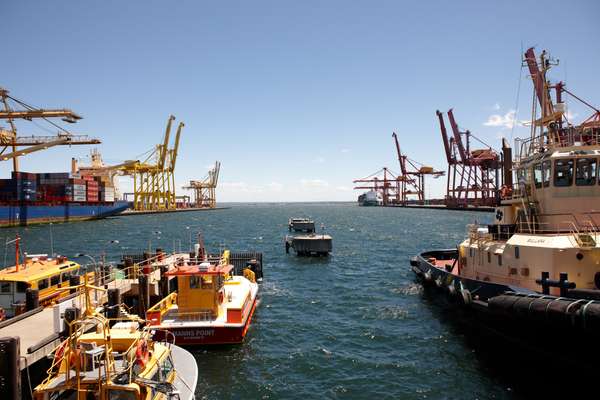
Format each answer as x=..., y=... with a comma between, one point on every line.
x=275, y=186
x=343, y=188
x=344, y=150
x=496, y=107
x=240, y=187
x=314, y=183
x=319, y=160
x=506, y=121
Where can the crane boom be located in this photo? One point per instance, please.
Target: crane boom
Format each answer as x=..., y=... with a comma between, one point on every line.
x=401, y=158
x=449, y=157
x=32, y=149
x=173, y=153
x=162, y=155
x=67, y=115
x=457, y=137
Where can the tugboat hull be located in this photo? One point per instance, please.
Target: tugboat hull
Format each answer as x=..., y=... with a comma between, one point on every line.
x=562, y=327
x=201, y=333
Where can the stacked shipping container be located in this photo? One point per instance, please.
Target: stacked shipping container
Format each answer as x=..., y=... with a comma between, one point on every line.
x=56, y=187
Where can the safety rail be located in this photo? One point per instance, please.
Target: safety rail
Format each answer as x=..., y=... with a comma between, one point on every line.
x=569, y=137
x=157, y=311
x=201, y=315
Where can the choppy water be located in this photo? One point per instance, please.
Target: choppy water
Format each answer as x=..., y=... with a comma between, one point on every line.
x=354, y=325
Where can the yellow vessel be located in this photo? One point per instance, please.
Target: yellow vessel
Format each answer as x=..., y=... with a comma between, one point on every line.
x=45, y=274
x=100, y=361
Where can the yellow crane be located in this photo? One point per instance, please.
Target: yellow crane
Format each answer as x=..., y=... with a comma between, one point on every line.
x=204, y=190
x=14, y=109
x=153, y=178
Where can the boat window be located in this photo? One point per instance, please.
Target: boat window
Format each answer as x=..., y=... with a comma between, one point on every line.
x=586, y=172
x=499, y=259
x=563, y=172
x=42, y=284
x=66, y=276
x=537, y=175
x=547, y=172
x=22, y=287
x=489, y=257
x=207, y=282
x=54, y=280
x=118, y=394
x=517, y=252
x=194, y=282
x=5, y=287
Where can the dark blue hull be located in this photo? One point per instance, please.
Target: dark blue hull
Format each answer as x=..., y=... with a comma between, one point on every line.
x=23, y=214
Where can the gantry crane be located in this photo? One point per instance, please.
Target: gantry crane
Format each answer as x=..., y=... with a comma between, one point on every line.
x=14, y=109
x=384, y=182
x=153, y=178
x=411, y=182
x=204, y=190
x=472, y=174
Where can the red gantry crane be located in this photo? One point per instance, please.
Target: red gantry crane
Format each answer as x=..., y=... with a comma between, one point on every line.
x=411, y=182
x=384, y=182
x=472, y=174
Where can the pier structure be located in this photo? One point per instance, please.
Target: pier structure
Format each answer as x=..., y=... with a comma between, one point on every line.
x=301, y=225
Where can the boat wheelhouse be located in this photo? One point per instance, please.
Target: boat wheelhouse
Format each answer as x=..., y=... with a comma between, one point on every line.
x=211, y=305
x=39, y=272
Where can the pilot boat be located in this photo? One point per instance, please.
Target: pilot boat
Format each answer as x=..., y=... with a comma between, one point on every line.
x=121, y=361
x=534, y=273
x=211, y=304
x=39, y=272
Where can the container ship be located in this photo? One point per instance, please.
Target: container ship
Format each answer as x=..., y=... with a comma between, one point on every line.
x=28, y=198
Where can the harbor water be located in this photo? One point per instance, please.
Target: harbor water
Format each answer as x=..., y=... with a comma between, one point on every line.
x=353, y=325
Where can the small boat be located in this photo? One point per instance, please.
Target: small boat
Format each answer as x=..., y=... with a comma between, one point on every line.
x=35, y=272
x=121, y=361
x=211, y=305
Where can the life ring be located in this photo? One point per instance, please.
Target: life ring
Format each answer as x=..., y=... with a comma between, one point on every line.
x=59, y=354
x=141, y=353
x=505, y=192
x=221, y=297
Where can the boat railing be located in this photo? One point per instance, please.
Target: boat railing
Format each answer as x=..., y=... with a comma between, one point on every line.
x=192, y=315
x=567, y=137
x=157, y=311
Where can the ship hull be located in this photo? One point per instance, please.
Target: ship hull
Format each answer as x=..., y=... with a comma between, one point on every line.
x=204, y=334
x=28, y=214
x=564, y=328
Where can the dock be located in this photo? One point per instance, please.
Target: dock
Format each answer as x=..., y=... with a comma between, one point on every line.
x=444, y=207
x=39, y=330
x=309, y=245
x=145, y=212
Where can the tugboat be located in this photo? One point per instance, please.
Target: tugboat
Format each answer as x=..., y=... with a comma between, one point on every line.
x=211, y=305
x=534, y=274
x=121, y=361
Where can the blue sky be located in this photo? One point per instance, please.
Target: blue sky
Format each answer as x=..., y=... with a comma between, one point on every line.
x=296, y=99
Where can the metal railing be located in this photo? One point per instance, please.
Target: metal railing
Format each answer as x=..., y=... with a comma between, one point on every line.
x=568, y=137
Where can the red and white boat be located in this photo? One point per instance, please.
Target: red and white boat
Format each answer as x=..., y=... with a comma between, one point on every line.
x=211, y=305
